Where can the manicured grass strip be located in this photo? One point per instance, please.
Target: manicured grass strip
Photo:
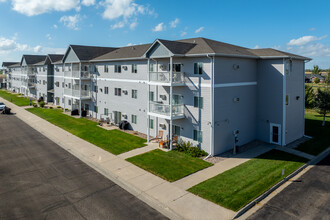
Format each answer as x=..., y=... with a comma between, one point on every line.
x=19, y=101
x=114, y=141
x=237, y=187
x=170, y=165
x=320, y=134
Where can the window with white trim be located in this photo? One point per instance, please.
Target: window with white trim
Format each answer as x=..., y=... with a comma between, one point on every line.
x=198, y=68
x=198, y=102
x=117, y=91
x=106, y=90
x=117, y=68
x=198, y=136
x=134, y=68
x=134, y=93
x=134, y=119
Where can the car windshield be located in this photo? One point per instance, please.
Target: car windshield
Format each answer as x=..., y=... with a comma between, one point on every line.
x=1, y=103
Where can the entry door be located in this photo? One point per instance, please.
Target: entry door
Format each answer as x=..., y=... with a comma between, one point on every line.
x=275, y=133
x=117, y=117
x=176, y=99
x=176, y=130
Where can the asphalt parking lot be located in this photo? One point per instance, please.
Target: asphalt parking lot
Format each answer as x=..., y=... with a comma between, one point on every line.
x=40, y=180
x=306, y=198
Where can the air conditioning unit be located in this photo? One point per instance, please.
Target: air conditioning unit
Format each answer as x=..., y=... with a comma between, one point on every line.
x=163, y=97
x=124, y=115
x=162, y=125
x=162, y=67
x=125, y=92
x=236, y=66
x=125, y=67
x=236, y=99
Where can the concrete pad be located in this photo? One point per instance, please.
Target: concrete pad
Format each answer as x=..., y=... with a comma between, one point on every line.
x=129, y=172
x=204, y=209
x=166, y=192
x=115, y=164
x=146, y=181
x=138, y=151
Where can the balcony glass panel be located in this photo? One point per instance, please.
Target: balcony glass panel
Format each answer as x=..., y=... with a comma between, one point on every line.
x=164, y=77
x=164, y=109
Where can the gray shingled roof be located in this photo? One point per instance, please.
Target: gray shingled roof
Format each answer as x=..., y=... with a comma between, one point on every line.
x=309, y=76
x=7, y=64
x=269, y=52
x=177, y=47
x=90, y=52
x=33, y=59
x=55, y=58
x=135, y=51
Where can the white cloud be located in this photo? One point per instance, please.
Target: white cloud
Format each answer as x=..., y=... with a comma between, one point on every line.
x=183, y=33
x=256, y=47
x=133, y=25
x=49, y=37
x=174, y=23
x=3, y=0
x=11, y=45
x=159, y=27
x=71, y=21
x=88, y=2
x=199, y=30
x=36, y=7
x=311, y=50
x=119, y=24
x=55, y=26
x=121, y=8
x=37, y=49
x=312, y=29
x=129, y=44
x=304, y=40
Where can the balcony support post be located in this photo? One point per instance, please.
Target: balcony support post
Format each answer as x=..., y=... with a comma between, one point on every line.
x=171, y=102
x=148, y=119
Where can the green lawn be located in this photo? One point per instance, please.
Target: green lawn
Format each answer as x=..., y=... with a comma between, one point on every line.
x=20, y=101
x=238, y=186
x=320, y=134
x=170, y=166
x=114, y=141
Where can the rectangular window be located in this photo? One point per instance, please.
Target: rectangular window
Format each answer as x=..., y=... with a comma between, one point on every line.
x=151, y=124
x=106, y=90
x=151, y=96
x=134, y=94
x=134, y=119
x=176, y=67
x=95, y=89
x=287, y=100
x=134, y=68
x=198, y=102
x=96, y=109
x=117, y=91
x=117, y=69
x=69, y=102
x=176, y=130
x=95, y=69
x=198, y=68
x=69, y=85
x=106, y=111
x=198, y=136
x=151, y=67
x=62, y=84
x=106, y=68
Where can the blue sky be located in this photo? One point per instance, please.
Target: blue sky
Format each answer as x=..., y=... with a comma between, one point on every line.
x=49, y=26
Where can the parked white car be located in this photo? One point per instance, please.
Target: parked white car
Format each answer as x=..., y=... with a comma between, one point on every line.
x=2, y=106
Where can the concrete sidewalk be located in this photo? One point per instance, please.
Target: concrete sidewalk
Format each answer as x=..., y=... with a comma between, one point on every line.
x=167, y=198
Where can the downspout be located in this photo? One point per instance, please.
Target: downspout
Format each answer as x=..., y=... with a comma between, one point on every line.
x=212, y=107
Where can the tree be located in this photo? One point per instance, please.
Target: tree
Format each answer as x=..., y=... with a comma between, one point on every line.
x=322, y=103
x=327, y=78
x=316, y=69
x=316, y=80
x=309, y=96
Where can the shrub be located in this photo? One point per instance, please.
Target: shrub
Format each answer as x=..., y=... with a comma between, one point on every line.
x=59, y=107
x=189, y=149
x=42, y=104
x=317, y=80
x=51, y=107
x=35, y=105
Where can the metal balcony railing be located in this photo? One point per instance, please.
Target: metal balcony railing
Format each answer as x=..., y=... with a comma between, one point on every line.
x=164, y=77
x=77, y=93
x=77, y=74
x=165, y=109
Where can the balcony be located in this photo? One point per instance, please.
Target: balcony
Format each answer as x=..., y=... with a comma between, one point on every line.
x=163, y=78
x=31, y=85
x=77, y=74
x=78, y=94
x=164, y=110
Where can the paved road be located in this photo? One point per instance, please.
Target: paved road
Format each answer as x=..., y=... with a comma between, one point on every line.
x=40, y=180
x=307, y=198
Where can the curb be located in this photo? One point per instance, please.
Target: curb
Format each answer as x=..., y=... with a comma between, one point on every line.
x=315, y=160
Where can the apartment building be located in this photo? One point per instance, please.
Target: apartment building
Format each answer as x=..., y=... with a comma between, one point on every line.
x=6, y=72
x=200, y=90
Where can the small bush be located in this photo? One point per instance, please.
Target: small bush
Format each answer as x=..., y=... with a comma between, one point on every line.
x=59, y=107
x=189, y=149
x=41, y=104
x=51, y=107
x=35, y=105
